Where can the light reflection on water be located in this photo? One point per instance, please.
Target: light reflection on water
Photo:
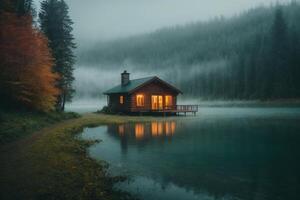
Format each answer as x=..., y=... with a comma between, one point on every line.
x=145, y=130
x=221, y=154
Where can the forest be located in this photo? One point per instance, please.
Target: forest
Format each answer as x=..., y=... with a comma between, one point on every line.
x=36, y=55
x=53, y=148
x=253, y=55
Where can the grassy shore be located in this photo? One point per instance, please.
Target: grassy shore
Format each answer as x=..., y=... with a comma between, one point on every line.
x=16, y=124
x=53, y=164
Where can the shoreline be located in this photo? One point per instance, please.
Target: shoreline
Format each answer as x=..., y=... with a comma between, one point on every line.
x=54, y=163
x=80, y=106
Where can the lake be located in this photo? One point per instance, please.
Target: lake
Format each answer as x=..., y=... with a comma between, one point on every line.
x=223, y=153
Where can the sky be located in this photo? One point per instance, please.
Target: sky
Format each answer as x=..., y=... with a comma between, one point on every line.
x=99, y=20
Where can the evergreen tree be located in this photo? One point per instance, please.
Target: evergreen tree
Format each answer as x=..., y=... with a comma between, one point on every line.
x=57, y=26
x=294, y=61
x=279, y=55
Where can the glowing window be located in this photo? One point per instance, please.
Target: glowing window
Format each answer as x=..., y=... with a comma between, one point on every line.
x=121, y=99
x=168, y=100
x=140, y=100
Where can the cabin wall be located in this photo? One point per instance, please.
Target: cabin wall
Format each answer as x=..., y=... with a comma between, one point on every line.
x=154, y=88
x=130, y=101
x=114, y=103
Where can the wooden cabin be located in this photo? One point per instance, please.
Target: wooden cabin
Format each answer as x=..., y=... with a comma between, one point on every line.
x=144, y=95
x=150, y=94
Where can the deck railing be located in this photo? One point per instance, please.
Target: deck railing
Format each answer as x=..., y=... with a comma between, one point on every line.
x=175, y=109
x=187, y=108
x=180, y=108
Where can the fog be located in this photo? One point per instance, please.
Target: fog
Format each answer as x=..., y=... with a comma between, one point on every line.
x=93, y=82
x=98, y=22
x=110, y=19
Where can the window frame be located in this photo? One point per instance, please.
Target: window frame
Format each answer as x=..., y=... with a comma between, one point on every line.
x=170, y=103
x=140, y=100
x=121, y=99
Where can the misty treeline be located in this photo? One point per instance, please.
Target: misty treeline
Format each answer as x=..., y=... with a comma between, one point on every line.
x=254, y=55
x=266, y=66
x=36, y=62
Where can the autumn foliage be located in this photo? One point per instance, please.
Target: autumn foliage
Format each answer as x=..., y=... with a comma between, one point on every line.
x=26, y=76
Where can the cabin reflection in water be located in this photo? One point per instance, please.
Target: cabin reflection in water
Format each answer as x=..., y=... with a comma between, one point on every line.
x=121, y=130
x=146, y=130
x=139, y=131
x=162, y=128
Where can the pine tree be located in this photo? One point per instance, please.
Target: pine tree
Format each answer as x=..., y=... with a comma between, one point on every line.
x=57, y=26
x=294, y=62
x=279, y=57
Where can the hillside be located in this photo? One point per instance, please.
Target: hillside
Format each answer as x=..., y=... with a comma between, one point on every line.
x=222, y=58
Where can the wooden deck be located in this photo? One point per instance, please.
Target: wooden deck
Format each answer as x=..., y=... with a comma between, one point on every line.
x=175, y=110
x=186, y=109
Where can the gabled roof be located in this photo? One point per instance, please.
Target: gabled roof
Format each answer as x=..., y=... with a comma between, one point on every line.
x=137, y=83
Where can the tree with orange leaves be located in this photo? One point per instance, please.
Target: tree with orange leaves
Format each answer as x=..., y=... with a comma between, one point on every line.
x=26, y=75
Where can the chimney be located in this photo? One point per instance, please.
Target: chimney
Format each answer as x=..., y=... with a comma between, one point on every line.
x=125, y=78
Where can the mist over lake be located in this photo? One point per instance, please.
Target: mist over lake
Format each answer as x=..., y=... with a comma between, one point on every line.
x=150, y=99
x=224, y=153
x=225, y=58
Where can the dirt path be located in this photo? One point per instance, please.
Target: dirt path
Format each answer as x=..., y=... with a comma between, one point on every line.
x=51, y=163
x=13, y=161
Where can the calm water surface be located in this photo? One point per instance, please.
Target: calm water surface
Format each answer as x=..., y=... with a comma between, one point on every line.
x=223, y=153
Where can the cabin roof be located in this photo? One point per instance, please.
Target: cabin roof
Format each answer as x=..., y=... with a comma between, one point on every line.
x=135, y=84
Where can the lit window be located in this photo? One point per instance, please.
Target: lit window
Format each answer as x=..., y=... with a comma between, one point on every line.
x=168, y=101
x=140, y=100
x=121, y=99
